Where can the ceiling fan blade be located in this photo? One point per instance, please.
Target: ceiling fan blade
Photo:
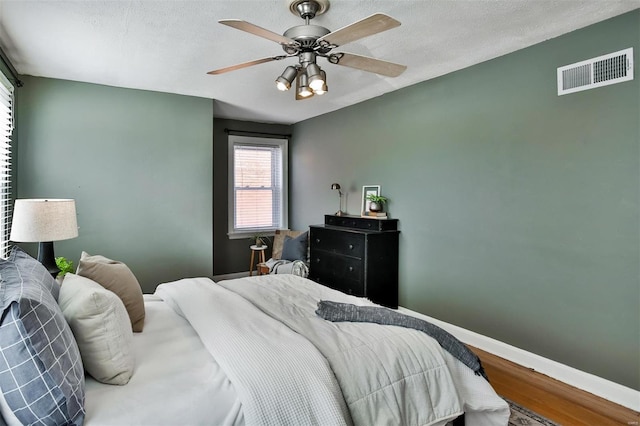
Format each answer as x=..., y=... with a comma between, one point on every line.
x=366, y=63
x=368, y=26
x=259, y=31
x=245, y=65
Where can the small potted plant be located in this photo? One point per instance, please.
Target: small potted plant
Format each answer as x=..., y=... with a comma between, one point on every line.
x=258, y=240
x=376, y=202
x=65, y=265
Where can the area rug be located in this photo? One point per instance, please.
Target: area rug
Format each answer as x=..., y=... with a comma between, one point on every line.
x=521, y=416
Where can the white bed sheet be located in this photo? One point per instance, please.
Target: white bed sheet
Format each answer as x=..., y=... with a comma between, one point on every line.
x=177, y=382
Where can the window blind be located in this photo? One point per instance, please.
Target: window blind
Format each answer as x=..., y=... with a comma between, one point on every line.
x=6, y=130
x=257, y=185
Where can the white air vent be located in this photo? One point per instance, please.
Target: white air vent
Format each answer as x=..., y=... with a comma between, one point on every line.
x=596, y=72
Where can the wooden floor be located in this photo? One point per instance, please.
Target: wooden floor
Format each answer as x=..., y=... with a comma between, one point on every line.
x=550, y=398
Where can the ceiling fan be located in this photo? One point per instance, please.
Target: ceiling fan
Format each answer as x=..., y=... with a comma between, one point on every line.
x=308, y=42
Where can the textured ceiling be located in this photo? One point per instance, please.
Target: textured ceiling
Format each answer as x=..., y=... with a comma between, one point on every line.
x=168, y=46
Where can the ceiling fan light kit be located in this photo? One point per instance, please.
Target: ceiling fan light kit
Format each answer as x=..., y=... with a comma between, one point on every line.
x=309, y=42
x=286, y=78
x=315, y=77
x=304, y=91
x=324, y=88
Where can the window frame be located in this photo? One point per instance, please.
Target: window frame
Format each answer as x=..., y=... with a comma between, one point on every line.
x=283, y=144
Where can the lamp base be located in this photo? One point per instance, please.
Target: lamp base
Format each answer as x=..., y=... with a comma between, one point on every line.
x=47, y=258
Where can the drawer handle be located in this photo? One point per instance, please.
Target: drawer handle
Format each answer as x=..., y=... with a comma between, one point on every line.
x=317, y=260
x=350, y=268
x=317, y=240
x=350, y=246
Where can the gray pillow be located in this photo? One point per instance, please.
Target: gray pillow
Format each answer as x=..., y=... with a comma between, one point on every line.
x=41, y=372
x=118, y=278
x=295, y=248
x=39, y=273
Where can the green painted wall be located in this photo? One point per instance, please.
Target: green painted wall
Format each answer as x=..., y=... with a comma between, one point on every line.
x=519, y=209
x=139, y=165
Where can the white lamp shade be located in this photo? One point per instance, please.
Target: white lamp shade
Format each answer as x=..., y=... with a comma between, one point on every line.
x=41, y=220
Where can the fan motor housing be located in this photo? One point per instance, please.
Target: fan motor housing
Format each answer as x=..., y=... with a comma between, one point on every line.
x=306, y=35
x=308, y=8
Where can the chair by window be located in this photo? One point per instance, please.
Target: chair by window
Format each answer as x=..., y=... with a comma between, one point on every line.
x=287, y=242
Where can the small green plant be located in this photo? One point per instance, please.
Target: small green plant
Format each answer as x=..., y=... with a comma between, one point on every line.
x=65, y=265
x=259, y=240
x=377, y=198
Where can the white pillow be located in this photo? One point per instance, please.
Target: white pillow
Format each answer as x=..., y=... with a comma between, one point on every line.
x=101, y=326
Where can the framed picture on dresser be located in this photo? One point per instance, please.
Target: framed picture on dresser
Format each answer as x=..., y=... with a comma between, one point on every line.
x=366, y=191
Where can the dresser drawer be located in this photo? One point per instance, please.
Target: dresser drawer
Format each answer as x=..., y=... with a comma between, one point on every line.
x=328, y=267
x=354, y=288
x=356, y=222
x=340, y=242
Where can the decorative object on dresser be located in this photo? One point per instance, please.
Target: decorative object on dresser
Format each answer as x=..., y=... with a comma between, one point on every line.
x=336, y=186
x=44, y=221
x=367, y=191
x=376, y=206
x=357, y=256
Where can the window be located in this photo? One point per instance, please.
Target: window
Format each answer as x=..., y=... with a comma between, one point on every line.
x=6, y=129
x=257, y=185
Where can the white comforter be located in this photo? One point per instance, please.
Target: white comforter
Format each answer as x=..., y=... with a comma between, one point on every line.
x=279, y=376
x=388, y=375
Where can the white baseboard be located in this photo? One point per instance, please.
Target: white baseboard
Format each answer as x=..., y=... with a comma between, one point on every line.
x=603, y=388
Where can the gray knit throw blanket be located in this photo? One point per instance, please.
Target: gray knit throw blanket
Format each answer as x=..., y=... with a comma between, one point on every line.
x=339, y=312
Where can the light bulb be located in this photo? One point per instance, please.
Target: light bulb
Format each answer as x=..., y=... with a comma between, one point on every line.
x=323, y=88
x=283, y=86
x=283, y=82
x=303, y=88
x=316, y=79
x=305, y=92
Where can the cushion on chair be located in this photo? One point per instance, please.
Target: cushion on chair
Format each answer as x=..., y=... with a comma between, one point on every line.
x=295, y=248
x=278, y=241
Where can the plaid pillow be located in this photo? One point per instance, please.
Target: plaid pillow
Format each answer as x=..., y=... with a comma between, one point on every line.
x=41, y=372
x=35, y=270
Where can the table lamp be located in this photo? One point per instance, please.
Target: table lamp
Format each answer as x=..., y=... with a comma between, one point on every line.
x=44, y=221
x=335, y=186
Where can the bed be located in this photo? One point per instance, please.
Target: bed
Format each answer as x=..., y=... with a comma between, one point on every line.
x=253, y=351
